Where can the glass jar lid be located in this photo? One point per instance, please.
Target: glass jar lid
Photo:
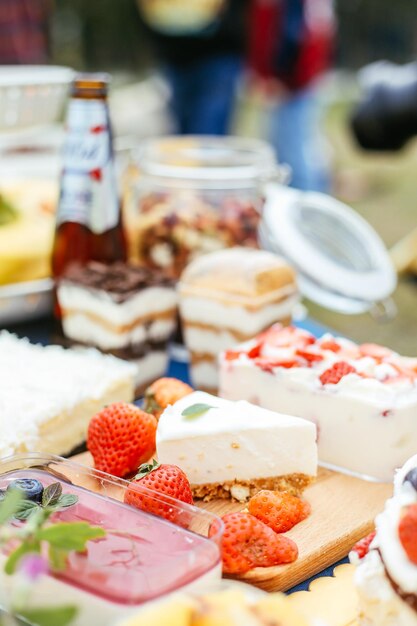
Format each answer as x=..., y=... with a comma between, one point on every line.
x=342, y=262
x=205, y=161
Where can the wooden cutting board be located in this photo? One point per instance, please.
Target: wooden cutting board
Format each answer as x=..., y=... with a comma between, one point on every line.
x=343, y=511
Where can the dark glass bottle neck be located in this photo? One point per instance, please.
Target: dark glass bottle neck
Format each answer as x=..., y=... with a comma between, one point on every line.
x=90, y=86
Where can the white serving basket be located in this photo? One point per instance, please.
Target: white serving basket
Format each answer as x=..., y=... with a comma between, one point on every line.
x=32, y=95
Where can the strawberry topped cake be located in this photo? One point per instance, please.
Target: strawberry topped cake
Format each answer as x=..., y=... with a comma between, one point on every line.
x=386, y=574
x=355, y=394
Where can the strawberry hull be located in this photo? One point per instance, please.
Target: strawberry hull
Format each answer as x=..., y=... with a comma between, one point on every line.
x=141, y=558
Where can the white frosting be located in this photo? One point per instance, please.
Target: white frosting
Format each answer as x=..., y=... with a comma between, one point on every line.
x=39, y=383
x=216, y=313
x=400, y=568
x=80, y=327
x=379, y=605
x=147, y=302
x=402, y=473
x=234, y=440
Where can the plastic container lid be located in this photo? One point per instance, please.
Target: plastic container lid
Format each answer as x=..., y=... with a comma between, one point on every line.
x=342, y=262
x=204, y=161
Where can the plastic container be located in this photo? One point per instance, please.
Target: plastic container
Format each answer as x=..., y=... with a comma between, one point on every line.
x=32, y=95
x=191, y=195
x=142, y=557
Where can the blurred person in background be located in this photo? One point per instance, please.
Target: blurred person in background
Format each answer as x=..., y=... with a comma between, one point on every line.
x=201, y=54
x=24, y=31
x=291, y=44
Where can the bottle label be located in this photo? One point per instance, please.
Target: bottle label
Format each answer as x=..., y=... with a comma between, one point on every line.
x=88, y=192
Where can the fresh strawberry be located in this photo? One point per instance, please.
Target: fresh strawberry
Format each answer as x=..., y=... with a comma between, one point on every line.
x=330, y=344
x=375, y=351
x=335, y=373
x=407, y=531
x=362, y=547
x=166, y=480
x=120, y=438
x=278, y=510
x=163, y=392
x=248, y=542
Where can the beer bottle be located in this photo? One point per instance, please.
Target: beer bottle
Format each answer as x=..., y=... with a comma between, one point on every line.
x=89, y=223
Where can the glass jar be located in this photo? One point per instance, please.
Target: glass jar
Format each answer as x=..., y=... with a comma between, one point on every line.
x=192, y=195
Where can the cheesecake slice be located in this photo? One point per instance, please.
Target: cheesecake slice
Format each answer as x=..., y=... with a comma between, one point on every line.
x=49, y=394
x=233, y=449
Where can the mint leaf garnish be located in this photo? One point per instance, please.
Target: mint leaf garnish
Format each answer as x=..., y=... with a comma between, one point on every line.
x=195, y=410
x=70, y=536
x=57, y=558
x=10, y=505
x=52, y=494
x=68, y=499
x=52, y=616
x=25, y=509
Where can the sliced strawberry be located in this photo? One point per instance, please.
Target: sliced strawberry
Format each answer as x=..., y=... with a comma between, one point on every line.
x=248, y=542
x=331, y=345
x=407, y=532
x=375, y=351
x=284, y=337
x=362, y=547
x=309, y=355
x=269, y=366
x=278, y=510
x=255, y=351
x=335, y=373
x=232, y=355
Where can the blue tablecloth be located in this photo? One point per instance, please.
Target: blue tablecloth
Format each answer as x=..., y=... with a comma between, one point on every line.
x=41, y=331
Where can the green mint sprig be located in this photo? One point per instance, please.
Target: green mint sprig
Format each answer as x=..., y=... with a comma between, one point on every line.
x=196, y=410
x=52, y=500
x=36, y=537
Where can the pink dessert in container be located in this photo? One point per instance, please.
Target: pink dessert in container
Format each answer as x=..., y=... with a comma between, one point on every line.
x=141, y=558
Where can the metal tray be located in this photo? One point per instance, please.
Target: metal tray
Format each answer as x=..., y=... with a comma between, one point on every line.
x=20, y=302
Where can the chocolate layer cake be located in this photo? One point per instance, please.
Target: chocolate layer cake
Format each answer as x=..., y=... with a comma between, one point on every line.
x=121, y=309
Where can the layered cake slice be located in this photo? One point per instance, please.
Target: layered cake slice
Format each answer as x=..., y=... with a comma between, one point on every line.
x=233, y=449
x=227, y=297
x=386, y=574
x=49, y=394
x=355, y=394
x=122, y=309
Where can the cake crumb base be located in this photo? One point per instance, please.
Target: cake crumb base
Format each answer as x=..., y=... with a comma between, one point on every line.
x=242, y=490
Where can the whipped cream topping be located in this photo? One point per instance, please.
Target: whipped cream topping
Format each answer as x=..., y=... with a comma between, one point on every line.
x=39, y=383
x=402, y=571
x=379, y=373
x=387, y=560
